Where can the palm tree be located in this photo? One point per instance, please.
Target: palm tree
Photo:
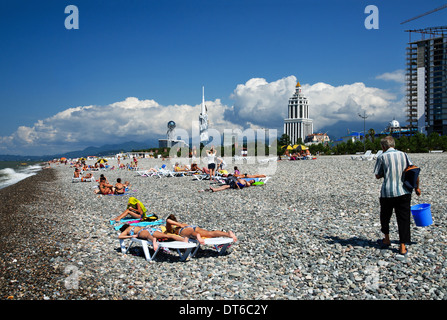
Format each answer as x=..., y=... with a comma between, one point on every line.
x=371, y=133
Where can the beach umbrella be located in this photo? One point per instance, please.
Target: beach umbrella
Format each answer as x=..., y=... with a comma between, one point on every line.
x=290, y=148
x=82, y=159
x=101, y=161
x=63, y=159
x=302, y=147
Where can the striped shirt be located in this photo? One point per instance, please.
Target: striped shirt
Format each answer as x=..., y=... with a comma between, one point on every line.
x=391, y=165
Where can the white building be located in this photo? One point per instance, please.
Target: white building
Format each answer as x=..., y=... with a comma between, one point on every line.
x=316, y=138
x=297, y=124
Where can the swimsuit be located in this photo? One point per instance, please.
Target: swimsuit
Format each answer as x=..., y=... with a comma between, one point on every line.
x=131, y=233
x=193, y=227
x=151, y=231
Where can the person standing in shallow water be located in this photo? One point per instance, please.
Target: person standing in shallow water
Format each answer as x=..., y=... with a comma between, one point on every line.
x=390, y=166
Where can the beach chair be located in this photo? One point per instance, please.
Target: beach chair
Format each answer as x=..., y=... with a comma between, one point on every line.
x=168, y=245
x=145, y=173
x=177, y=173
x=200, y=177
x=372, y=156
x=91, y=179
x=359, y=156
x=378, y=154
x=267, y=160
x=219, y=243
x=368, y=157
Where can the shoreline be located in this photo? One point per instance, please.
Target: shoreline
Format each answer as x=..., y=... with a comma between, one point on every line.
x=30, y=228
x=308, y=234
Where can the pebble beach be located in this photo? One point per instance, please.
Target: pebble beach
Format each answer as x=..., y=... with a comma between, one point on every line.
x=309, y=233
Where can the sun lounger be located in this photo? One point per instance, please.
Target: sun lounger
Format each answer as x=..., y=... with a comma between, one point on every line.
x=201, y=177
x=371, y=156
x=219, y=243
x=168, y=245
x=266, y=160
x=146, y=173
x=82, y=179
x=360, y=156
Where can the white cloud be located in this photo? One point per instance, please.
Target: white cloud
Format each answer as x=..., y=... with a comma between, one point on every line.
x=329, y=104
x=131, y=119
x=257, y=103
x=260, y=103
x=396, y=76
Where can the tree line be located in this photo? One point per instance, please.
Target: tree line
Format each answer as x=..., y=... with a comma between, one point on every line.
x=417, y=143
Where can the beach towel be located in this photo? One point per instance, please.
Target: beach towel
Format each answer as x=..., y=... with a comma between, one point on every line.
x=138, y=223
x=122, y=194
x=248, y=179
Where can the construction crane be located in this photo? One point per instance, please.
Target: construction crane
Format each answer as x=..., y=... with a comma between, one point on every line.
x=424, y=14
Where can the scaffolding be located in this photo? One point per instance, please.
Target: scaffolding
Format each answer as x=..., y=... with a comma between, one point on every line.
x=426, y=80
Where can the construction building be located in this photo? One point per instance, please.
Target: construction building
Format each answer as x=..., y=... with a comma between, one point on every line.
x=426, y=80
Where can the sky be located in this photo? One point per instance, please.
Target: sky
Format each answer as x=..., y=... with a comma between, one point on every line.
x=132, y=66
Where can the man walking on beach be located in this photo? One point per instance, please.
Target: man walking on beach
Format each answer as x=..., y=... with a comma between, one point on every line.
x=390, y=166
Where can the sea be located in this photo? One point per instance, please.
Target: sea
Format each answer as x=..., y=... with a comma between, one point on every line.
x=12, y=172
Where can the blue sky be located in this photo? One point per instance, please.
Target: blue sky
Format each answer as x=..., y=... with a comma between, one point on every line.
x=166, y=51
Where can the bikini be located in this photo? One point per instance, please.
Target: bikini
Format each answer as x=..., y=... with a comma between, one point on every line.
x=193, y=227
x=151, y=231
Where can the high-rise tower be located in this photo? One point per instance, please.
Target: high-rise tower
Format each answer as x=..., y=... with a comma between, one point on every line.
x=426, y=78
x=297, y=124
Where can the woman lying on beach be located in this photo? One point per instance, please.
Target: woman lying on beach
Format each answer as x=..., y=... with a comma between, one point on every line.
x=135, y=208
x=147, y=233
x=188, y=231
x=87, y=176
x=178, y=168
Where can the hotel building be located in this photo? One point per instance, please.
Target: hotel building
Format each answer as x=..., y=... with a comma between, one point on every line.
x=297, y=124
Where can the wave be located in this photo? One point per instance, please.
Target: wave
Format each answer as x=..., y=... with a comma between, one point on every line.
x=10, y=176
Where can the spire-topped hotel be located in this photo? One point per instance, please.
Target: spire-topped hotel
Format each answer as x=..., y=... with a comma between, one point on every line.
x=297, y=124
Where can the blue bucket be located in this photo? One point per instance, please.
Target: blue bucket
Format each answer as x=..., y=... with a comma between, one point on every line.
x=422, y=214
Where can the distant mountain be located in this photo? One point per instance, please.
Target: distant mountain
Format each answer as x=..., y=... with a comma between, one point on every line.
x=104, y=150
x=340, y=129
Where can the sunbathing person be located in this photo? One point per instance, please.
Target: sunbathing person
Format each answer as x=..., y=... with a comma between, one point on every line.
x=120, y=188
x=234, y=183
x=104, y=186
x=177, y=168
x=245, y=175
x=87, y=176
x=194, y=167
x=188, y=231
x=236, y=171
x=135, y=208
x=148, y=233
x=76, y=173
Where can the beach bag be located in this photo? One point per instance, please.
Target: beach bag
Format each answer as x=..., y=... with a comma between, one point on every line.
x=410, y=176
x=257, y=183
x=151, y=217
x=231, y=180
